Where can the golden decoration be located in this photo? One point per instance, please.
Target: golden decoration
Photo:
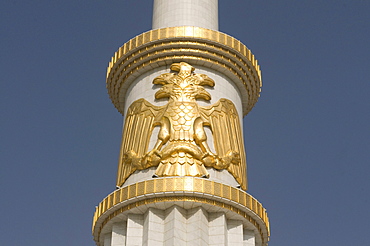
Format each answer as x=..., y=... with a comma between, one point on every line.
x=181, y=148
x=194, y=45
x=188, y=189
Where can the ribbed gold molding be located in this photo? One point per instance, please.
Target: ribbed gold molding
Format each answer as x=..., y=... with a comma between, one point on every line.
x=195, y=45
x=187, y=189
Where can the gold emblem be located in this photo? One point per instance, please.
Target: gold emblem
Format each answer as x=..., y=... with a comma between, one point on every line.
x=181, y=148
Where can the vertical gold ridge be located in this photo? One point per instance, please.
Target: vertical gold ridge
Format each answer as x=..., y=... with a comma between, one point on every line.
x=139, y=40
x=110, y=201
x=188, y=184
x=149, y=188
x=169, y=186
x=217, y=189
x=196, y=32
x=141, y=188
x=179, y=184
x=154, y=35
x=124, y=194
x=208, y=187
x=234, y=194
x=197, y=186
x=188, y=31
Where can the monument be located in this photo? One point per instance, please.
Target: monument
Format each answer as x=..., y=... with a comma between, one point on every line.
x=183, y=88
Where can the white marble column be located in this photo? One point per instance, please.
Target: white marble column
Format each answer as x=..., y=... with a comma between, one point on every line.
x=175, y=227
x=107, y=239
x=153, y=227
x=200, y=13
x=197, y=227
x=119, y=234
x=248, y=238
x=217, y=229
x=235, y=232
x=134, y=230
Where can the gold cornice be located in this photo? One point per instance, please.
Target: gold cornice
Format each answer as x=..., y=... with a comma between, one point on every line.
x=196, y=45
x=188, y=189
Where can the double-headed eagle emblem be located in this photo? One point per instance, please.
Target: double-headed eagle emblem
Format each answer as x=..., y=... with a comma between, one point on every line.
x=181, y=148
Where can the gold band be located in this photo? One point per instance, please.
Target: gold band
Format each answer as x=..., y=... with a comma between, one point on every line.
x=198, y=190
x=196, y=45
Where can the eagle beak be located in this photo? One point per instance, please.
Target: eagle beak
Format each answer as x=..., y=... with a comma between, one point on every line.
x=175, y=67
x=203, y=94
x=161, y=94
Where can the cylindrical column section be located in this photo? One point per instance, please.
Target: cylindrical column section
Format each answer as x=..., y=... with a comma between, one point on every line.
x=171, y=13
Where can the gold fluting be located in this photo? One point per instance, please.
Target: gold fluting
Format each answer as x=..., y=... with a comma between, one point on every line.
x=194, y=45
x=181, y=148
x=185, y=189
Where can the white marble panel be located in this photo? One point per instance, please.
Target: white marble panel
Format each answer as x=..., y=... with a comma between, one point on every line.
x=201, y=13
x=248, y=238
x=217, y=229
x=153, y=227
x=119, y=234
x=107, y=239
x=197, y=227
x=134, y=230
x=175, y=227
x=235, y=232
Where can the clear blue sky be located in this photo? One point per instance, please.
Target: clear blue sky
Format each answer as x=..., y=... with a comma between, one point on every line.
x=307, y=139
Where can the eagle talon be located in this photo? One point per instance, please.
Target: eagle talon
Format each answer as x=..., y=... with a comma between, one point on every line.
x=151, y=159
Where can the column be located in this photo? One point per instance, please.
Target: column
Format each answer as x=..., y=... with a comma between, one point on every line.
x=197, y=227
x=107, y=239
x=217, y=229
x=153, y=227
x=200, y=13
x=235, y=232
x=248, y=238
x=175, y=227
x=119, y=234
x=134, y=230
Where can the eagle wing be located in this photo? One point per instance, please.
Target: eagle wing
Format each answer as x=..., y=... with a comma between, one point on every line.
x=223, y=119
x=140, y=121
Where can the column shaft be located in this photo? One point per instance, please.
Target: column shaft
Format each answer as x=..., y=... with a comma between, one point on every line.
x=200, y=13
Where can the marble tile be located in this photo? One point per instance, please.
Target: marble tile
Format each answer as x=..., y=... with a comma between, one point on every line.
x=217, y=229
x=235, y=232
x=134, y=229
x=107, y=239
x=248, y=238
x=119, y=234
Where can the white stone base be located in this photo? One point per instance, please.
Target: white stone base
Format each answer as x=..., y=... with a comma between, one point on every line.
x=180, y=227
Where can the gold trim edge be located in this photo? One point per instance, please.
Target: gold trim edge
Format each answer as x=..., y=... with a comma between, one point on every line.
x=184, y=32
x=175, y=36
x=108, y=208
